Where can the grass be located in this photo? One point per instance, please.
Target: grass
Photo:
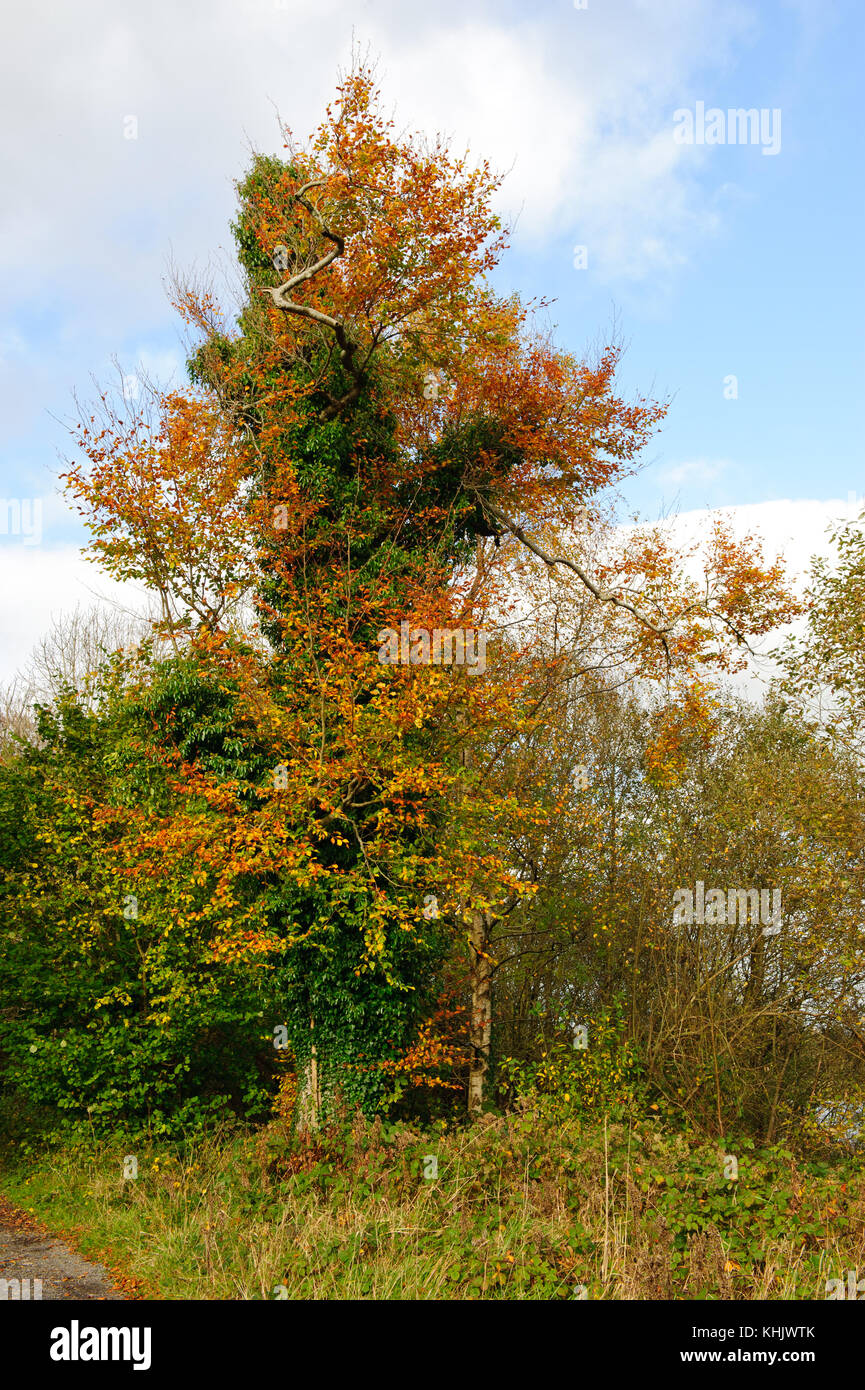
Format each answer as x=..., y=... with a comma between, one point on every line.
x=523, y=1207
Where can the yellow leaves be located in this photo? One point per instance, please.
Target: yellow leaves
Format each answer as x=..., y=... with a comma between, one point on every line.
x=244, y=946
x=114, y=996
x=686, y=725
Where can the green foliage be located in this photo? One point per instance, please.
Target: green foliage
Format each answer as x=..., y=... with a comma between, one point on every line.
x=525, y=1206
x=114, y=1003
x=567, y=1080
x=111, y=1003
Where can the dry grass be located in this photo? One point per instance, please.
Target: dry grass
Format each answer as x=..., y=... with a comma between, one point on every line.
x=521, y=1209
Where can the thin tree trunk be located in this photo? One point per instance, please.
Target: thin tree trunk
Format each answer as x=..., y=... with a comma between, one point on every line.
x=309, y=1108
x=481, y=1023
x=480, y=972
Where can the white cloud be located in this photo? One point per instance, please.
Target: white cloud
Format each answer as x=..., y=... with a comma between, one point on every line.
x=580, y=113
x=700, y=470
x=39, y=584
x=52, y=581
x=578, y=102
x=796, y=529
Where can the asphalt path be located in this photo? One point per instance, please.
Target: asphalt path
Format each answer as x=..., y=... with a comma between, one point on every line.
x=29, y=1252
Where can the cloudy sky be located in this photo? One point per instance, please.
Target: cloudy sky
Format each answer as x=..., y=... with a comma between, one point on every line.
x=733, y=271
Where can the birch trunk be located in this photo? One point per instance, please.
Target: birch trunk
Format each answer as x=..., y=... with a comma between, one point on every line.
x=480, y=1027
x=309, y=1104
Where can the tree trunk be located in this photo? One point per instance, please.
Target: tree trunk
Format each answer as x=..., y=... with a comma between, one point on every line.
x=480, y=975
x=309, y=1106
x=480, y=1027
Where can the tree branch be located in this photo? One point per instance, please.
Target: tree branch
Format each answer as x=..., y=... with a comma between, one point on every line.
x=600, y=594
x=280, y=297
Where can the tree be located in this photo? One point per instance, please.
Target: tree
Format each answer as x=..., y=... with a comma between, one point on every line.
x=824, y=672
x=744, y=1023
x=382, y=445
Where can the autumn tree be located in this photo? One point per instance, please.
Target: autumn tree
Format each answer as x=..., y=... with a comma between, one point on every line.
x=824, y=672
x=381, y=444
x=747, y=1021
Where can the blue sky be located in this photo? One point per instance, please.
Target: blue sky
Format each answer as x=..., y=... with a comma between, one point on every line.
x=715, y=260
x=773, y=293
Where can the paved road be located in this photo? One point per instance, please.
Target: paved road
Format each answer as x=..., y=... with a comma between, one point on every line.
x=27, y=1251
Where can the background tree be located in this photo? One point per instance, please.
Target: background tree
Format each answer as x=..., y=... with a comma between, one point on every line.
x=824, y=667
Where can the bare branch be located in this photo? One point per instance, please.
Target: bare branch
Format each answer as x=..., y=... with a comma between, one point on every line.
x=600, y=594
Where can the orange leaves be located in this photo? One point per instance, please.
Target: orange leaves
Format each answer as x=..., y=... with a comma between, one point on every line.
x=562, y=434
x=682, y=727
x=751, y=597
x=163, y=499
x=440, y=1051
x=405, y=229
x=574, y=436
x=710, y=598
